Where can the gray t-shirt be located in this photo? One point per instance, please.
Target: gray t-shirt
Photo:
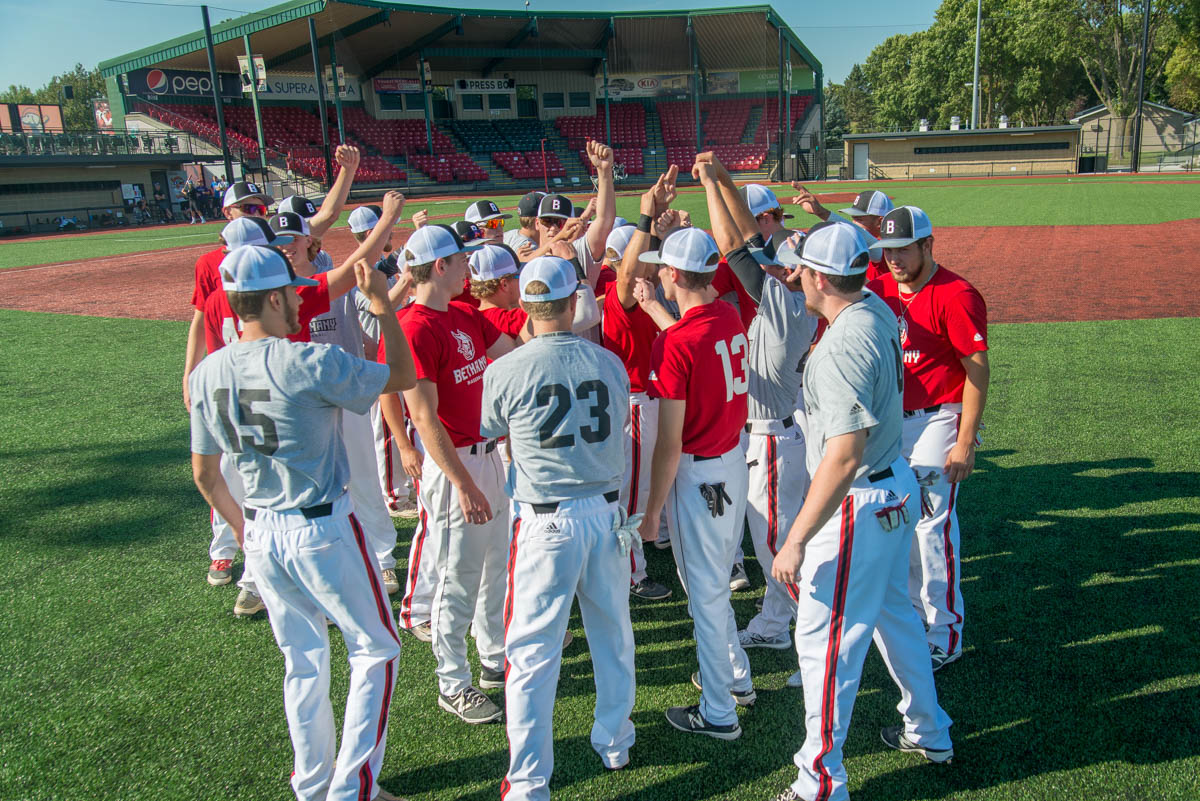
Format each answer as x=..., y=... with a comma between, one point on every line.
x=780, y=335
x=323, y=261
x=276, y=408
x=854, y=380
x=517, y=240
x=340, y=325
x=562, y=402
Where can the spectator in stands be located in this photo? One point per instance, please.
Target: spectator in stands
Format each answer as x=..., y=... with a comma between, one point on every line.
x=160, y=200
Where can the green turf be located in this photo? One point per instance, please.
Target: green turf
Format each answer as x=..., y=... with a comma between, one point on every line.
x=123, y=675
x=1107, y=200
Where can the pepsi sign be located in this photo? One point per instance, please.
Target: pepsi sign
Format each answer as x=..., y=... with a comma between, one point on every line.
x=155, y=82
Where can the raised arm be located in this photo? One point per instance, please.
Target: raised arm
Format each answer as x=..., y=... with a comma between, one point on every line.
x=601, y=156
x=655, y=200
x=341, y=279
x=373, y=285
x=335, y=201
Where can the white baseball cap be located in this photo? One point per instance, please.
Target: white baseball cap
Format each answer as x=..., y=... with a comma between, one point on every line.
x=760, y=199
x=251, y=231
x=364, y=218
x=619, y=222
x=557, y=274
x=492, y=261
x=769, y=253
x=903, y=226
x=871, y=202
x=619, y=238
x=482, y=210
x=833, y=248
x=295, y=204
x=690, y=249
x=434, y=242
x=254, y=268
x=242, y=191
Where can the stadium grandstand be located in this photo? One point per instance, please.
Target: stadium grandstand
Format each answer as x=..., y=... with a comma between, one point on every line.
x=444, y=100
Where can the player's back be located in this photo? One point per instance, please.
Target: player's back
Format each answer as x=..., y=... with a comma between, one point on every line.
x=563, y=402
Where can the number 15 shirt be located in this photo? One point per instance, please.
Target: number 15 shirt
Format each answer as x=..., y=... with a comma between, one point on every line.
x=702, y=360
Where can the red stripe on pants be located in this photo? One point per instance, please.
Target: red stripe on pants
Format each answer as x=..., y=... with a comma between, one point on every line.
x=508, y=598
x=834, y=645
x=635, y=428
x=772, y=496
x=950, y=574
x=414, y=566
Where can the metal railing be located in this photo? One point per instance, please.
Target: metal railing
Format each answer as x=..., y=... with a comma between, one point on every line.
x=117, y=143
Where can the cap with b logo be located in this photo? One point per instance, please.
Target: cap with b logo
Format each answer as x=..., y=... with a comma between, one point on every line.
x=433, y=242
x=251, y=231
x=528, y=205
x=364, y=218
x=555, y=206
x=902, y=226
x=482, y=210
x=760, y=199
x=871, y=202
x=833, y=248
x=770, y=253
x=289, y=223
x=557, y=274
x=688, y=249
x=491, y=262
x=243, y=191
x=468, y=232
x=255, y=268
x=619, y=238
x=295, y=204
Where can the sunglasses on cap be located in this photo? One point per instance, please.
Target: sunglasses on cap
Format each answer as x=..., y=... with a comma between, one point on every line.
x=252, y=208
x=496, y=223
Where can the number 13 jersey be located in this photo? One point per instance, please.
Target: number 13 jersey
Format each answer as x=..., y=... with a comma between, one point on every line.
x=563, y=403
x=702, y=360
x=276, y=408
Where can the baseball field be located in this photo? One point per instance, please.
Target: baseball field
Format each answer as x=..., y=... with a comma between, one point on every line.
x=125, y=676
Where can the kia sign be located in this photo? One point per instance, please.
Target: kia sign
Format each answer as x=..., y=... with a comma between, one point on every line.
x=153, y=83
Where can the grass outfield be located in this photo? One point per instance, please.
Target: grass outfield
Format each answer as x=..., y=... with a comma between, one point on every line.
x=123, y=675
x=1029, y=201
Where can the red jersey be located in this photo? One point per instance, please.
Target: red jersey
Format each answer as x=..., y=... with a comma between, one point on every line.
x=208, y=277
x=725, y=282
x=942, y=324
x=629, y=333
x=693, y=361
x=450, y=349
x=507, y=321
x=465, y=296
x=222, y=326
x=876, y=269
x=606, y=278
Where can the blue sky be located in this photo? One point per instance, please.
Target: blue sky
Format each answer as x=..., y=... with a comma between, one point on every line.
x=46, y=37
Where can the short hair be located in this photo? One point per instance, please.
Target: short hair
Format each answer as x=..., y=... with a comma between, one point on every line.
x=361, y=236
x=248, y=305
x=528, y=222
x=776, y=213
x=314, y=248
x=421, y=273
x=543, y=309
x=485, y=289
x=846, y=284
x=694, y=281
x=611, y=254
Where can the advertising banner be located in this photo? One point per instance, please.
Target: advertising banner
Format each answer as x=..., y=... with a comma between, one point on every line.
x=281, y=86
x=184, y=83
x=175, y=181
x=490, y=85
x=38, y=118
x=397, y=86
x=103, y=115
x=646, y=85
x=768, y=80
x=260, y=73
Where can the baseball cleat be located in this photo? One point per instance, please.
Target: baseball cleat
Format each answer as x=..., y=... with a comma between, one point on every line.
x=894, y=737
x=738, y=580
x=795, y=680
x=615, y=761
x=422, y=631
x=740, y=697
x=662, y=545
x=391, y=582
x=220, y=571
x=940, y=658
x=650, y=590
x=787, y=795
x=248, y=603
x=491, y=679
x=779, y=642
x=470, y=706
x=689, y=719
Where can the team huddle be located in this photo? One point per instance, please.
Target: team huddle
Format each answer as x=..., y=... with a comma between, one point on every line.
x=558, y=397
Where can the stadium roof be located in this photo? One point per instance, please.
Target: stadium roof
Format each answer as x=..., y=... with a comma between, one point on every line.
x=383, y=35
x=963, y=132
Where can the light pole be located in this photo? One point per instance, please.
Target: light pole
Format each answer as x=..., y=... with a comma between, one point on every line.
x=975, y=83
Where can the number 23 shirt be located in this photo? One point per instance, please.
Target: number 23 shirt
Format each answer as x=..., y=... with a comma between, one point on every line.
x=702, y=360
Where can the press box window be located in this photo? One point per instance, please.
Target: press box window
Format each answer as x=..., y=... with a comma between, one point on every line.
x=552, y=100
x=414, y=102
x=472, y=102
x=581, y=100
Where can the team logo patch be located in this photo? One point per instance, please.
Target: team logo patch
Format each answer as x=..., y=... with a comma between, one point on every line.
x=465, y=345
x=903, y=325
x=978, y=338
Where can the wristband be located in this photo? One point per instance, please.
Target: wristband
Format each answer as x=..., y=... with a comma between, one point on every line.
x=655, y=242
x=644, y=223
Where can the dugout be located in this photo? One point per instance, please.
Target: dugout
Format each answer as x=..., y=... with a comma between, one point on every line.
x=483, y=99
x=1048, y=150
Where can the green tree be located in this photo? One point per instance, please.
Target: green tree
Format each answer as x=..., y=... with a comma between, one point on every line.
x=86, y=85
x=1183, y=76
x=857, y=102
x=17, y=94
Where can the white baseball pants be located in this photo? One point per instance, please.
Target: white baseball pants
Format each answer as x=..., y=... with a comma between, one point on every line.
x=307, y=571
x=461, y=551
x=421, y=577
x=555, y=557
x=369, y=505
x=854, y=586
x=642, y=430
x=933, y=578
x=778, y=482
x=224, y=543
x=703, y=546
x=392, y=478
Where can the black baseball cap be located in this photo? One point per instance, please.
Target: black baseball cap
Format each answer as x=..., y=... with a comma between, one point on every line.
x=871, y=202
x=902, y=226
x=297, y=205
x=468, y=232
x=242, y=191
x=290, y=223
x=528, y=205
x=555, y=206
x=482, y=210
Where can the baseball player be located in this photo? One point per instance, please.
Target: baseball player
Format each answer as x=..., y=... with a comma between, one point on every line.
x=487, y=215
x=698, y=370
x=779, y=340
x=943, y=332
x=274, y=408
x=461, y=486
x=523, y=240
x=867, y=213
x=559, y=400
x=846, y=556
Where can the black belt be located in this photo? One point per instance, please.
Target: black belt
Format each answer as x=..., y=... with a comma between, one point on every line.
x=483, y=447
x=926, y=410
x=705, y=458
x=549, y=508
x=786, y=422
x=881, y=475
x=310, y=513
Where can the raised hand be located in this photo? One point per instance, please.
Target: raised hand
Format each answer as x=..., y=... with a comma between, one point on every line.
x=347, y=156
x=666, y=223
x=393, y=205
x=373, y=284
x=600, y=154
x=420, y=219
